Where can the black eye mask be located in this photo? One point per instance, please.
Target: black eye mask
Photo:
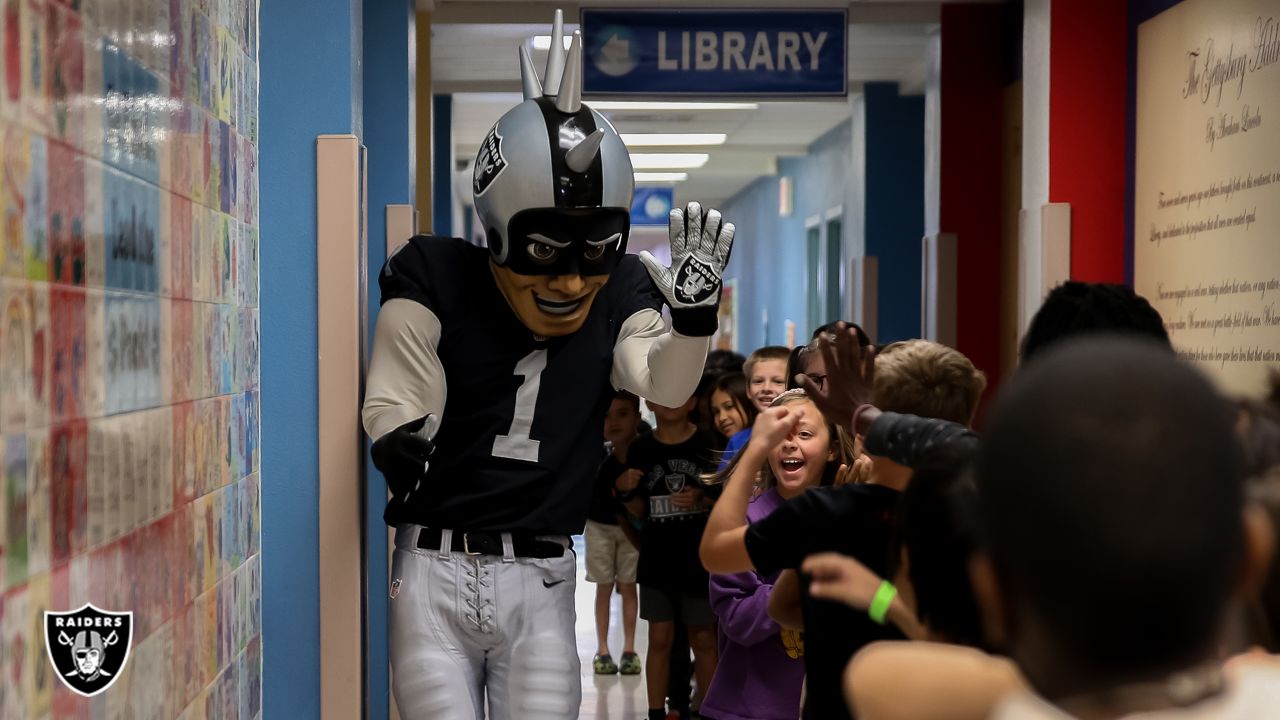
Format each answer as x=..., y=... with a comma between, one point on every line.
x=571, y=241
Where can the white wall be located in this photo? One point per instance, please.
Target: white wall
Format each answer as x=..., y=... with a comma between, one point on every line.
x=933, y=133
x=1035, y=154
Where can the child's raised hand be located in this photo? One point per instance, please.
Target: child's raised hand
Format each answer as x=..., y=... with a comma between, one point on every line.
x=628, y=480
x=841, y=578
x=850, y=376
x=858, y=472
x=774, y=425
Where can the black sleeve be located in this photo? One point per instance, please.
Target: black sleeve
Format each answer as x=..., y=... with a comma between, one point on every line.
x=633, y=288
x=605, y=491
x=414, y=272
x=786, y=537
x=905, y=439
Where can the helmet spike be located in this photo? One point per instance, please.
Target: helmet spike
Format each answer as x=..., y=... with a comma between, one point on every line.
x=580, y=156
x=555, y=57
x=528, y=76
x=569, y=98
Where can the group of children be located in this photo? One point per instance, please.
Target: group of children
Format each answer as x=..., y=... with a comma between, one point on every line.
x=650, y=509
x=846, y=545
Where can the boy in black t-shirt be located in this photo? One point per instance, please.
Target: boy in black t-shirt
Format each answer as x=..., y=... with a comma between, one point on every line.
x=853, y=520
x=673, y=584
x=611, y=555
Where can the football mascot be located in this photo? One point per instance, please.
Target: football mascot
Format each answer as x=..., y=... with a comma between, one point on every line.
x=491, y=373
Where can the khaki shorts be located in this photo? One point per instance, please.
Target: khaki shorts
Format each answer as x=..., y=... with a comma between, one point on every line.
x=610, y=555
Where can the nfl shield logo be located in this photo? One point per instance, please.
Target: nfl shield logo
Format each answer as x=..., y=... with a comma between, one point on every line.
x=88, y=647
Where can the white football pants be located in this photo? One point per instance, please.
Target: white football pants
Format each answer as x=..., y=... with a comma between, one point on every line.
x=469, y=627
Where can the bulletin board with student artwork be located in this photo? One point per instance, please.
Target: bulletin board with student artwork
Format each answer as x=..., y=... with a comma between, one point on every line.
x=129, y=349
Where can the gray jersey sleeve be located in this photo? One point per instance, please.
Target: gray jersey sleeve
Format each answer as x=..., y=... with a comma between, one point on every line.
x=406, y=380
x=655, y=363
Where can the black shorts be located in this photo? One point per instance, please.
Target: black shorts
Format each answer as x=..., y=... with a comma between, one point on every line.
x=665, y=604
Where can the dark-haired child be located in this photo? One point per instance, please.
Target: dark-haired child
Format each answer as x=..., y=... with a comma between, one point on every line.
x=1109, y=573
x=1079, y=308
x=946, y=676
x=666, y=494
x=731, y=410
x=611, y=556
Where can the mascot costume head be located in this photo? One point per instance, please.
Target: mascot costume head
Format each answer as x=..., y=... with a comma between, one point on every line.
x=552, y=185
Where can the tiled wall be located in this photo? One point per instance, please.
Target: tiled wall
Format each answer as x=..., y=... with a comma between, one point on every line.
x=129, y=348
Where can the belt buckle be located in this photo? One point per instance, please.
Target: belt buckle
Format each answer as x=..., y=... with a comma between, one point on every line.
x=466, y=545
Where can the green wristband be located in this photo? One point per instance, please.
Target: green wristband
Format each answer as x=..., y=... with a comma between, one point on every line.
x=881, y=602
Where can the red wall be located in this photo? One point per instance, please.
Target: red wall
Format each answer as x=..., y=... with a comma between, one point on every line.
x=1087, y=56
x=972, y=79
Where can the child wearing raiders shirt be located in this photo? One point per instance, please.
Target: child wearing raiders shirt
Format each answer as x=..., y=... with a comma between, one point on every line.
x=667, y=496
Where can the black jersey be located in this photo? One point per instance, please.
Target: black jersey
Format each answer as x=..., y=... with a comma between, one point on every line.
x=670, y=535
x=497, y=466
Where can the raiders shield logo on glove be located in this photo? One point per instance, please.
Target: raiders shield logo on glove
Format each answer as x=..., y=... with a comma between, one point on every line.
x=700, y=247
x=696, y=281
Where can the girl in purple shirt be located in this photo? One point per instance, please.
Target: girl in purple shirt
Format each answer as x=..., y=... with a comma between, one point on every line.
x=761, y=666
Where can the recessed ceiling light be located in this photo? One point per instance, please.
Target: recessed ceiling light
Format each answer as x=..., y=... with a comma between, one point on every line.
x=661, y=176
x=669, y=139
x=543, y=42
x=675, y=161
x=652, y=105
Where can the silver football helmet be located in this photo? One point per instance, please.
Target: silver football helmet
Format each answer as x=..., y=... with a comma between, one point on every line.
x=553, y=167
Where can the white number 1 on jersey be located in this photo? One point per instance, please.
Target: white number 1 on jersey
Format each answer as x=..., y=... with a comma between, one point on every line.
x=516, y=444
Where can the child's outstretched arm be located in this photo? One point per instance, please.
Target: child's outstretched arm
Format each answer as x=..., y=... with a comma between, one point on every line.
x=895, y=680
x=784, y=601
x=724, y=548
x=841, y=578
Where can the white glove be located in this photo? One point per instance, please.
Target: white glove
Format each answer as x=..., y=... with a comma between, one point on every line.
x=700, y=247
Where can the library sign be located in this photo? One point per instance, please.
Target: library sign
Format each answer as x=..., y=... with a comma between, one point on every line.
x=720, y=53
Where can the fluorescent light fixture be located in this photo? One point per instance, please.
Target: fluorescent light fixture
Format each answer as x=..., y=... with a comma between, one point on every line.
x=672, y=161
x=543, y=42
x=650, y=105
x=670, y=139
x=661, y=176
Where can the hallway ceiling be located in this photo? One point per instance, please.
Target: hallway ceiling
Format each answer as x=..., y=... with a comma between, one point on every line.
x=476, y=61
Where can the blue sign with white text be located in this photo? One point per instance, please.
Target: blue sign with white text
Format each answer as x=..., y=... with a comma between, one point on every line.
x=651, y=205
x=737, y=53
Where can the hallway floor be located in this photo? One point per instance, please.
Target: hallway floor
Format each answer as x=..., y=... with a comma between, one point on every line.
x=606, y=697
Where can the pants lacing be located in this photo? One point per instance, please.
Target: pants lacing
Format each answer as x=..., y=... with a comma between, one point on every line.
x=480, y=596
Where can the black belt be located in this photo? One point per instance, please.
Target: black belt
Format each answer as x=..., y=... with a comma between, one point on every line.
x=490, y=543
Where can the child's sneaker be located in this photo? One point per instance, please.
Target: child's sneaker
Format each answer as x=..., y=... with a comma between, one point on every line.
x=630, y=664
x=604, y=665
